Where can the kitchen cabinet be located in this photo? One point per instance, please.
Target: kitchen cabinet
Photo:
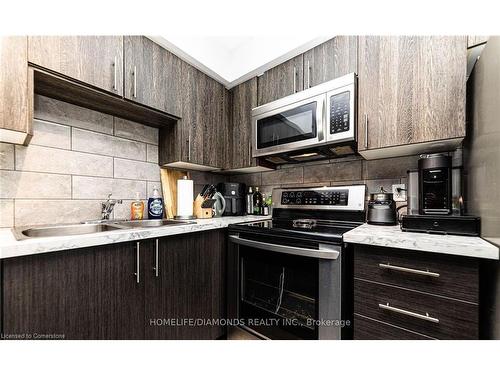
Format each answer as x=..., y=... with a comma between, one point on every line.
x=411, y=91
x=51, y=294
x=189, y=285
x=282, y=80
x=113, y=291
x=196, y=138
x=244, y=98
x=400, y=294
x=330, y=60
x=153, y=75
x=16, y=91
x=94, y=60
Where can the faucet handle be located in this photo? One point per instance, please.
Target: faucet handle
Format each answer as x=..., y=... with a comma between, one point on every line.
x=109, y=196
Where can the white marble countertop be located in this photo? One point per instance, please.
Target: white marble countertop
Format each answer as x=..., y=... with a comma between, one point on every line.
x=10, y=247
x=393, y=236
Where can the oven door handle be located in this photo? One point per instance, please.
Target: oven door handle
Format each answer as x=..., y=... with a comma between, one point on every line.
x=324, y=251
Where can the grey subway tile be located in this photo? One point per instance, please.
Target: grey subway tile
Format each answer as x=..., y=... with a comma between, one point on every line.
x=51, y=134
x=16, y=184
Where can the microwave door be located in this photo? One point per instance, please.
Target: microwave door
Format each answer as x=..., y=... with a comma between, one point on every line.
x=288, y=128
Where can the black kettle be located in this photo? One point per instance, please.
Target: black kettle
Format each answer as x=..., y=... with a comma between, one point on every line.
x=381, y=209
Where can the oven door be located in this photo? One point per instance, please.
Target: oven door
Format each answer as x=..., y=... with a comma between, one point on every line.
x=285, y=289
x=289, y=127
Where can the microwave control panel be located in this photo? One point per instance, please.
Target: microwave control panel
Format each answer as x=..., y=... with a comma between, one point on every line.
x=339, y=112
x=315, y=198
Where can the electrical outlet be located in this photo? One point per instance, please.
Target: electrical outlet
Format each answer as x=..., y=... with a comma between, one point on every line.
x=399, y=195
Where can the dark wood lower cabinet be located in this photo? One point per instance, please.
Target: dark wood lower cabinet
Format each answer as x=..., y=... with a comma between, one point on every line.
x=401, y=294
x=95, y=293
x=187, y=296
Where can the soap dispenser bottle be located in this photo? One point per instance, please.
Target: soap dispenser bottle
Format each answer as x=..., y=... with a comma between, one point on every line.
x=155, y=205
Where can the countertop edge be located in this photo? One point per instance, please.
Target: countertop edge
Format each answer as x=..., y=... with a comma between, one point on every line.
x=11, y=248
x=393, y=237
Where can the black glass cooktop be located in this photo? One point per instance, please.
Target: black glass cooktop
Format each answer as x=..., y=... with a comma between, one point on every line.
x=324, y=229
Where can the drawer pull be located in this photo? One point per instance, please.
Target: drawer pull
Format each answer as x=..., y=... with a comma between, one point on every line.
x=408, y=313
x=408, y=270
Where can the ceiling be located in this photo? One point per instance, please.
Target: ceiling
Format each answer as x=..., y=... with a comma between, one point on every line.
x=234, y=59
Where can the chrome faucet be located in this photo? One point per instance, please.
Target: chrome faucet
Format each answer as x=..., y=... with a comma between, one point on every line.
x=107, y=207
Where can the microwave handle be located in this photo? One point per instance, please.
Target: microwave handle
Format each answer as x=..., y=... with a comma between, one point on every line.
x=324, y=251
x=321, y=115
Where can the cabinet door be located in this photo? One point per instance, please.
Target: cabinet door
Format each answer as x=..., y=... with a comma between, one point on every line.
x=280, y=81
x=16, y=91
x=410, y=89
x=152, y=75
x=330, y=60
x=244, y=98
x=95, y=60
x=51, y=294
x=211, y=119
x=190, y=285
x=119, y=292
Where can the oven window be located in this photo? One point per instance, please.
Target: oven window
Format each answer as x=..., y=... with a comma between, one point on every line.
x=294, y=125
x=279, y=286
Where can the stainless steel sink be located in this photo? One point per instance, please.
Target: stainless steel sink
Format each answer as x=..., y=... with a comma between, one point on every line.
x=90, y=227
x=150, y=223
x=62, y=230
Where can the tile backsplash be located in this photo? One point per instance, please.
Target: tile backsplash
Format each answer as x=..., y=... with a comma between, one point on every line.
x=76, y=157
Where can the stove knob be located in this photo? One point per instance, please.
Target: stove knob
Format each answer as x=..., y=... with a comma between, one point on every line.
x=298, y=201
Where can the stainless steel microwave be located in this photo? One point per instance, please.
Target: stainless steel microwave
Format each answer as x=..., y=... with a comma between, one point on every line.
x=307, y=125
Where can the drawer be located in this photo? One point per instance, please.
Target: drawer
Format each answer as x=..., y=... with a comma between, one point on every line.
x=449, y=276
x=426, y=314
x=371, y=329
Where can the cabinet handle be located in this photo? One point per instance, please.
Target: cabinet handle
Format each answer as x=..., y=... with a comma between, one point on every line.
x=135, y=82
x=188, y=141
x=408, y=270
x=156, y=268
x=426, y=317
x=308, y=74
x=137, y=260
x=250, y=151
x=366, y=131
x=115, y=74
x=294, y=79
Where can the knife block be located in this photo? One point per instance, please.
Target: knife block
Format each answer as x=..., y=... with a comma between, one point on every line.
x=197, y=210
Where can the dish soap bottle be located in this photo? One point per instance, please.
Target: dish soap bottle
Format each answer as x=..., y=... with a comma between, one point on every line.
x=155, y=206
x=137, y=208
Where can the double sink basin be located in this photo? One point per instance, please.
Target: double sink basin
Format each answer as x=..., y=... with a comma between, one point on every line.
x=91, y=227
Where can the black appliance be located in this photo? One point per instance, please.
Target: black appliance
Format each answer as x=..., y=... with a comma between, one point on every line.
x=381, y=209
x=458, y=225
x=290, y=277
x=235, y=196
x=434, y=175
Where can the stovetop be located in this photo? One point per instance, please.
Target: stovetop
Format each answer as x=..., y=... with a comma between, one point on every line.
x=323, y=214
x=322, y=230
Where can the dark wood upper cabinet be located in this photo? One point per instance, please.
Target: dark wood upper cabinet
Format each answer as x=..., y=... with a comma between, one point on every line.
x=282, y=80
x=411, y=90
x=244, y=98
x=16, y=90
x=95, y=60
x=153, y=75
x=329, y=60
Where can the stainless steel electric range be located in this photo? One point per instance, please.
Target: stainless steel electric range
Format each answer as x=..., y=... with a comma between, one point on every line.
x=291, y=277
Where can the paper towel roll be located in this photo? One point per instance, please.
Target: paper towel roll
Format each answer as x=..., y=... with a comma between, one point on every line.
x=185, y=197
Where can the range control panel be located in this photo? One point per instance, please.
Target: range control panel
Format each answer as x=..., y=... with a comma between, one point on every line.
x=339, y=112
x=315, y=197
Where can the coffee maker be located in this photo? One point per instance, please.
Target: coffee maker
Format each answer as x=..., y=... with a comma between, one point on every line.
x=235, y=196
x=435, y=187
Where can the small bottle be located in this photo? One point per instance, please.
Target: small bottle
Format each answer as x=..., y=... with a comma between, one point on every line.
x=257, y=201
x=137, y=208
x=250, y=201
x=265, y=205
x=155, y=205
